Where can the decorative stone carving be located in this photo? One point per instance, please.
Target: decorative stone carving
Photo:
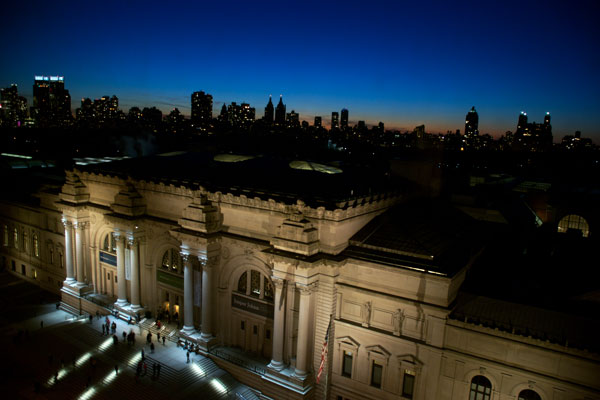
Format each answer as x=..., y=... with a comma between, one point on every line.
x=398, y=321
x=366, y=313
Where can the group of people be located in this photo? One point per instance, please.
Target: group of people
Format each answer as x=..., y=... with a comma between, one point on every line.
x=108, y=328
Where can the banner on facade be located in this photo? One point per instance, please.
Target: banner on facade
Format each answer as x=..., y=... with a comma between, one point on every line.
x=128, y=265
x=108, y=258
x=169, y=279
x=252, y=306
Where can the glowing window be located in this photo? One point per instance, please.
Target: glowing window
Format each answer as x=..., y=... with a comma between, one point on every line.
x=255, y=282
x=172, y=261
x=268, y=289
x=574, y=223
x=481, y=388
x=109, y=244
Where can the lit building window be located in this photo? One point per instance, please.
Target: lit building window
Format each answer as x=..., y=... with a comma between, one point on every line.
x=347, y=364
x=171, y=261
x=376, y=374
x=574, y=223
x=529, y=394
x=255, y=283
x=481, y=388
x=408, y=384
x=109, y=244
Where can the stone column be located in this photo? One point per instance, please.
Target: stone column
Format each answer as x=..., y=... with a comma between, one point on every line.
x=69, y=252
x=278, y=324
x=121, y=283
x=303, y=324
x=188, y=296
x=79, y=228
x=207, y=273
x=135, y=274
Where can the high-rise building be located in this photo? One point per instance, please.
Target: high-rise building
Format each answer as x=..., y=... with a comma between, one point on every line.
x=293, y=119
x=13, y=108
x=318, y=122
x=269, y=112
x=202, y=104
x=522, y=123
x=533, y=136
x=51, y=101
x=472, y=124
x=335, y=120
x=247, y=114
x=280, y=112
x=344, y=119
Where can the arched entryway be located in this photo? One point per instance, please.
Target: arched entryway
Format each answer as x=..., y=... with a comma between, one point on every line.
x=252, y=312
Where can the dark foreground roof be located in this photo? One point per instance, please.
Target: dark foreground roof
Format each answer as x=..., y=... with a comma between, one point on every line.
x=429, y=235
x=262, y=176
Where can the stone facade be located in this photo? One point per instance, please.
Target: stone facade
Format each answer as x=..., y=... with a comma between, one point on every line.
x=267, y=277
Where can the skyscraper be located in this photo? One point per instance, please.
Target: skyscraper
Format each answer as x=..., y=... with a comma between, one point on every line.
x=269, y=112
x=344, y=119
x=13, y=108
x=522, y=122
x=202, y=104
x=317, y=122
x=472, y=124
x=280, y=112
x=547, y=119
x=51, y=101
x=335, y=120
x=293, y=119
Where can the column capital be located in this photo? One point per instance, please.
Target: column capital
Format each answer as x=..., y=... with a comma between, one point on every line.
x=117, y=235
x=304, y=289
x=80, y=224
x=132, y=240
x=185, y=256
x=66, y=223
x=278, y=282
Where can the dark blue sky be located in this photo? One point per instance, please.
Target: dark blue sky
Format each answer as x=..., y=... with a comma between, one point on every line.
x=398, y=62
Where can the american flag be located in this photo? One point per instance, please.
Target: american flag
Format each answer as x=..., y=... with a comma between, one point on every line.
x=324, y=351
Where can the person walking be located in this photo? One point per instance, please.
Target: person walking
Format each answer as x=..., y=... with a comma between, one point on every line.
x=116, y=369
x=151, y=347
x=103, y=330
x=41, y=324
x=164, y=340
x=124, y=336
x=143, y=355
x=188, y=356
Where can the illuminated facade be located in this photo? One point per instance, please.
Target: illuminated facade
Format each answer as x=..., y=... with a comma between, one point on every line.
x=471, y=124
x=266, y=272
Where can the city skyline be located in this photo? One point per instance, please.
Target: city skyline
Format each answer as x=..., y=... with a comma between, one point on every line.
x=536, y=59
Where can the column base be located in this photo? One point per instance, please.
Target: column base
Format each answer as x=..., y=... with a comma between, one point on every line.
x=80, y=284
x=276, y=365
x=188, y=331
x=70, y=281
x=121, y=303
x=299, y=375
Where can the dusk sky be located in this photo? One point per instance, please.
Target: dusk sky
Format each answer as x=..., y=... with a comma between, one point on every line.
x=398, y=62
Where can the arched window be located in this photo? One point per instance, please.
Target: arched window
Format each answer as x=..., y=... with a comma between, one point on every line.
x=529, y=394
x=16, y=238
x=250, y=284
x=109, y=244
x=574, y=223
x=481, y=388
x=36, y=245
x=171, y=261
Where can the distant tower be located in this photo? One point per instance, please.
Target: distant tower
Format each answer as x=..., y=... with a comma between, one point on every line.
x=472, y=123
x=317, y=122
x=51, y=101
x=269, y=112
x=547, y=119
x=335, y=120
x=344, y=119
x=522, y=123
x=224, y=115
x=280, y=112
x=202, y=104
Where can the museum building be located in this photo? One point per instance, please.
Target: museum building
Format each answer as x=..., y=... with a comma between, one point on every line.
x=293, y=263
